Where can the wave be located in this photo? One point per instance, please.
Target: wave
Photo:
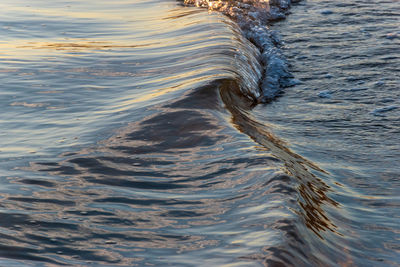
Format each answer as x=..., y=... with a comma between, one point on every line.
x=193, y=178
x=253, y=17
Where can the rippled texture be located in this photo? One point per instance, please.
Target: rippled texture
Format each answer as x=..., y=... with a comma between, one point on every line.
x=129, y=137
x=345, y=117
x=161, y=189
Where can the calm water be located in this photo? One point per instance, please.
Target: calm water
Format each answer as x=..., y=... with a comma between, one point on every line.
x=130, y=133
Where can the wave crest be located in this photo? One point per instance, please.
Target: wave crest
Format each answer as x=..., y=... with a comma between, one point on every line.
x=254, y=18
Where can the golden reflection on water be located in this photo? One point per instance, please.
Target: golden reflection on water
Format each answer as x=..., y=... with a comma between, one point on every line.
x=79, y=46
x=34, y=47
x=107, y=26
x=91, y=9
x=131, y=100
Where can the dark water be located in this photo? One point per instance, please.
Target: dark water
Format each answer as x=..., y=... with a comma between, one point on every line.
x=130, y=134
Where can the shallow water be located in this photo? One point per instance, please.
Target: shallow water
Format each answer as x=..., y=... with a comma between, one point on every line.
x=130, y=135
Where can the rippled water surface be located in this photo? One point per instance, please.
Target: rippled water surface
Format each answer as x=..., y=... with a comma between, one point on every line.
x=345, y=116
x=130, y=134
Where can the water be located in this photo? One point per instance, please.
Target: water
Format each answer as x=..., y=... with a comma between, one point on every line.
x=130, y=133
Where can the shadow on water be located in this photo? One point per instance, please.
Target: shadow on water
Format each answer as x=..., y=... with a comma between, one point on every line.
x=166, y=185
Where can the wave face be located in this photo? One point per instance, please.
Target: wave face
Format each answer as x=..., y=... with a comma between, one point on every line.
x=131, y=138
